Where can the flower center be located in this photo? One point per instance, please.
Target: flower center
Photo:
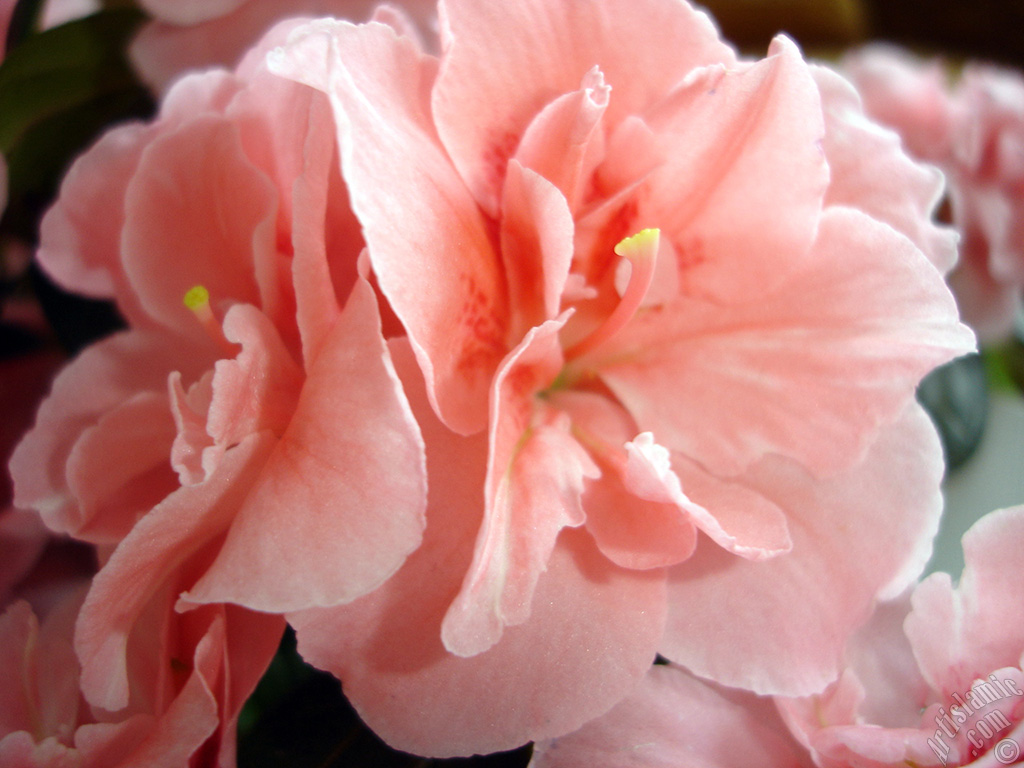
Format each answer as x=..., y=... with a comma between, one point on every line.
x=641, y=250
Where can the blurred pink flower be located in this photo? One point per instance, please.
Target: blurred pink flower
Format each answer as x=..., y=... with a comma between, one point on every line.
x=190, y=35
x=937, y=680
x=183, y=710
x=246, y=443
x=974, y=131
x=748, y=374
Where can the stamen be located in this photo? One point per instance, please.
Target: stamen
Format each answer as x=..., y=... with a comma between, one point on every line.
x=197, y=300
x=642, y=251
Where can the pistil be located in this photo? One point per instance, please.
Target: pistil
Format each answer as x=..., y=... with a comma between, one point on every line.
x=641, y=250
x=197, y=300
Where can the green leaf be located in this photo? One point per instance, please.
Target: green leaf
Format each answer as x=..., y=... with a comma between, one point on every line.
x=63, y=68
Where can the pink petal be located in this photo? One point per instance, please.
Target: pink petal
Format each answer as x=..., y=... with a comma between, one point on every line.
x=635, y=533
x=316, y=302
x=675, y=719
x=738, y=520
x=150, y=555
x=810, y=371
x=535, y=477
x=631, y=532
x=563, y=143
x=871, y=172
x=961, y=635
x=104, y=376
x=80, y=249
x=536, y=247
x=861, y=535
x=259, y=388
x=739, y=146
x=80, y=236
x=161, y=51
x=590, y=637
x=186, y=12
x=430, y=249
x=184, y=228
x=340, y=503
x=18, y=630
x=118, y=468
x=532, y=52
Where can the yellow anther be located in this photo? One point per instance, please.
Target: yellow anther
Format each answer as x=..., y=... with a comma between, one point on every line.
x=642, y=245
x=196, y=297
x=197, y=300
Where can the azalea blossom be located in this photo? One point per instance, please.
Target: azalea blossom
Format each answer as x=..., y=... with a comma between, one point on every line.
x=974, y=131
x=238, y=442
x=188, y=703
x=935, y=680
x=664, y=313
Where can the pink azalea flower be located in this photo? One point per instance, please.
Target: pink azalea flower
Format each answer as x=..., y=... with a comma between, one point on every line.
x=189, y=35
x=974, y=132
x=246, y=437
x=936, y=680
x=183, y=710
x=686, y=440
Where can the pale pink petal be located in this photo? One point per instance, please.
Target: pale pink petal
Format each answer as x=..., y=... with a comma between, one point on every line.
x=962, y=635
x=163, y=51
x=255, y=390
x=629, y=531
x=674, y=719
x=183, y=228
x=535, y=477
x=906, y=94
x=427, y=240
x=186, y=12
x=738, y=520
x=739, y=146
x=79, y=247
x=884, y=662
x=250, y=646
x=563, y=142
x=810, y=370
x=986, y=303
x=871, y=172
x=316, y=303
x=590, y=637
x=532, y=52
x=192, y=716
x=340, y=503
x=101, y=378
x=858, y=536
x=164, y=539
x=118, y=468
x=19, y=750
x=18, y=630
x=259, y=388
x=57, y=12
x=80, y=236
x=536, y=247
